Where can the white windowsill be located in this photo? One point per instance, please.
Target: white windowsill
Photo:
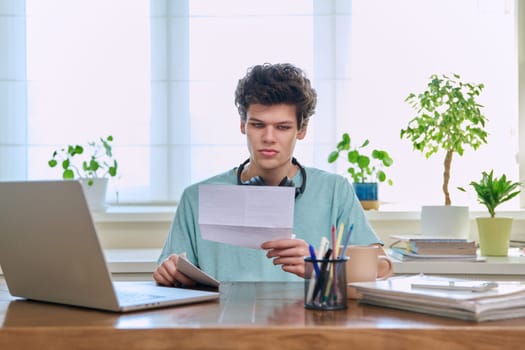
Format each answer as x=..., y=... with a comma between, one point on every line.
x=132, y=213
x=165, y=213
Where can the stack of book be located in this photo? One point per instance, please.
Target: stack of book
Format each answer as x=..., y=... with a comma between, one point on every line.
x=456, y=298
x=415, y=247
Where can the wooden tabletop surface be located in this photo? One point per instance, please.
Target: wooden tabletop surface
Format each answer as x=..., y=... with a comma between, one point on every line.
x=250, y=316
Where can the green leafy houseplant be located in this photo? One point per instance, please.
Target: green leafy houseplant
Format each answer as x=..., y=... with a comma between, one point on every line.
x=447, y=118
x=493, y=191
x=494, y=232
x=86, y=162
x=364, y=167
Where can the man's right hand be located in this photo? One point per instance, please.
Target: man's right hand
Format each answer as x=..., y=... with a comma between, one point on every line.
x=166, y=274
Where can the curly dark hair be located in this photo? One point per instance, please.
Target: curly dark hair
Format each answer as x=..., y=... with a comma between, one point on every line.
x=270, y=84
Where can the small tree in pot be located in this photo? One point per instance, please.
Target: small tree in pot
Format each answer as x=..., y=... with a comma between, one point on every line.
x=448, y=118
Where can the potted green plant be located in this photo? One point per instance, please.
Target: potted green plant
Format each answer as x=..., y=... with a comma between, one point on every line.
x=494, y=232
x=93, y=164
x=448, y=118
x=365, y=168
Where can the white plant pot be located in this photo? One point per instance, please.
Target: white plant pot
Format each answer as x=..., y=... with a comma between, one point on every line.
x=96, y=193
x=445, y=221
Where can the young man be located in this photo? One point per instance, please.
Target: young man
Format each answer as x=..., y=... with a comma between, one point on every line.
x=275, y=103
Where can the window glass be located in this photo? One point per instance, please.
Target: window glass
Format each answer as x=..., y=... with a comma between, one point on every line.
x=396, y=46
x=162, y=83
x=88, y=71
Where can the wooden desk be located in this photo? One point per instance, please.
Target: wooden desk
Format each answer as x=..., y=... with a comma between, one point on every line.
x=248, y=316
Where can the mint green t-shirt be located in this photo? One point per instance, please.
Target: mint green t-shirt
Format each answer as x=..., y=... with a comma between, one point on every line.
x=328, y=199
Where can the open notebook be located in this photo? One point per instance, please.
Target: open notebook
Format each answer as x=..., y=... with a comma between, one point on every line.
x=49, y=251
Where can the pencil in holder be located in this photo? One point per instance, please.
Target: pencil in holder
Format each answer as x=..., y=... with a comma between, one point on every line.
x=325, y=284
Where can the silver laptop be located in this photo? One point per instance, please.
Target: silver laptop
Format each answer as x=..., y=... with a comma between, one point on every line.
x=49, y=251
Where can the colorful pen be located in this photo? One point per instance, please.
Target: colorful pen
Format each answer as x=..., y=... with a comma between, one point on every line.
x=345, y=245
x=339, y=239
x=314, y=259
x=323, y=246
x=347, y=240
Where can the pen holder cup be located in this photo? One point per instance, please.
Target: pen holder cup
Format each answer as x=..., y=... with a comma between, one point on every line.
x=325, y=284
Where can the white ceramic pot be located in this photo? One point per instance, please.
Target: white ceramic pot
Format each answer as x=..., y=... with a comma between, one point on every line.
x=96, y=193
x=445, y=221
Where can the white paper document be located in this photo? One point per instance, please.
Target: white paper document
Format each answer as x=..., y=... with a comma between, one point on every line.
x=193, y=272
x=246, y=216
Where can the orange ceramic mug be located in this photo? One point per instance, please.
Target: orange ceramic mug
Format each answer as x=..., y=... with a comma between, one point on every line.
x=364, y=265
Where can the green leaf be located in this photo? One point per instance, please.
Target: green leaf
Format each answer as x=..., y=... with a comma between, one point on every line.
x=387, y=161
x=381, y=176
x=353, y=156
x=363, y=161
x=68, y=174
x=364, y=144
x=94, y=165
x=332, y=157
